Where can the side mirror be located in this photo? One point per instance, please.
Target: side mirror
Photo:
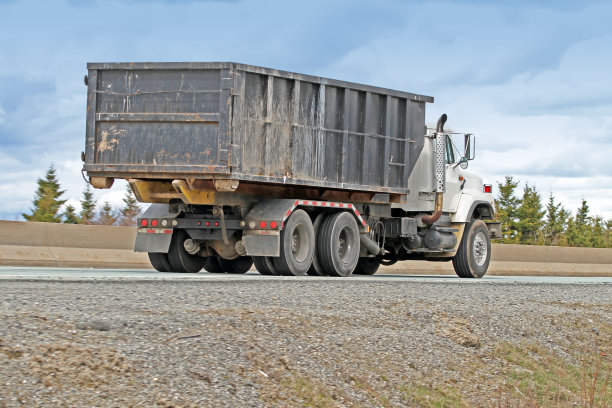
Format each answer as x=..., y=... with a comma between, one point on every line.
x=469, y=147
x=463, y=162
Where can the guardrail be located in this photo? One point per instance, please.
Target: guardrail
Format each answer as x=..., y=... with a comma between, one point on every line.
x=98, y=246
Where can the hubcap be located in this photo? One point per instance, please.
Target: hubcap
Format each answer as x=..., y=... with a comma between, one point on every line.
x=479, y=249
x=299, y=243
x=344, y=243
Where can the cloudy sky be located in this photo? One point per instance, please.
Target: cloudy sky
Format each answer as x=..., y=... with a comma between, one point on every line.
x=532, y=79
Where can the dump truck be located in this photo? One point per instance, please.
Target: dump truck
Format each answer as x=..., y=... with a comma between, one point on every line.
x=293, y=173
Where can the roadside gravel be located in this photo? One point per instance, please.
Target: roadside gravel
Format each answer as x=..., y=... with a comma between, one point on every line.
x=305, y=343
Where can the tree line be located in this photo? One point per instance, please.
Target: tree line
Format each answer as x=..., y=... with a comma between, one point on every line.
x=525, y=220
x=48, y=202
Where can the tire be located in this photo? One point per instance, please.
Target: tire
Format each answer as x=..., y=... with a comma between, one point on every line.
x=366, y=266
x=265, y=265
x=160, y=262
x=239, y=265
x=316, y=269
x=180, y=259
x=474, y=252
x=212, y=265
x=338, y=245
x=296, y=245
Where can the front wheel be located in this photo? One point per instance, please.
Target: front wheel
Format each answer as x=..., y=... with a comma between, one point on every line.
x=474, y=252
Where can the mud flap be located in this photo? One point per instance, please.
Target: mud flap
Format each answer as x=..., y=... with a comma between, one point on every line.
x=262, y=245
x=152, y=242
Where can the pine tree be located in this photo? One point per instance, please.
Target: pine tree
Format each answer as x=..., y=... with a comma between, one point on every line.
x=130, y=210
x=107, y=215
x=581, y=236
x=46, y=199
x=598, y=233
x=556, y=222
x=530, y=215
x=70, y=216
x=88, y=206
x=608, y=234
x=506, y=208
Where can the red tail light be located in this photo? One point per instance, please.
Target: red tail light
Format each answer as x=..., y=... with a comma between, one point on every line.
x=154, y=223
x=488, y=188
x=144, y=223
x=262, y=224
x=273, y=224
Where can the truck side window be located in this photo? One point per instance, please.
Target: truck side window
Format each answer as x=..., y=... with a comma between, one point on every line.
x=449, y=154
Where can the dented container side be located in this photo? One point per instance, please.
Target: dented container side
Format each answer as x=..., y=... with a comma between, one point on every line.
x=157, y=120
x=313, y=131
x=227, y=120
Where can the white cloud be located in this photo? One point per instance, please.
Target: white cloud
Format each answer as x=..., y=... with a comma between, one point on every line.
x=530, y=81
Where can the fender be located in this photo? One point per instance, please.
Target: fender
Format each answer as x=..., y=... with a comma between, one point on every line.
x=468, y=207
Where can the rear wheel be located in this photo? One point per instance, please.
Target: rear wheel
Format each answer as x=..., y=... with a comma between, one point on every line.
x=296, y=245
x=316, y=269
x=180, y=259
x=265, y=265
x=367, y=266
x=160, y=262
x=212, y=265
x=474, y=252
x=338, y=244
x=238, y=265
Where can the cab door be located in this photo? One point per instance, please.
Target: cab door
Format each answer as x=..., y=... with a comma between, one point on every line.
x=454, y=179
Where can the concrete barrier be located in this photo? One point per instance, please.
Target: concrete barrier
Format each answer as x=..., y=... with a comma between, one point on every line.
x=97, y=246
x=69, y=245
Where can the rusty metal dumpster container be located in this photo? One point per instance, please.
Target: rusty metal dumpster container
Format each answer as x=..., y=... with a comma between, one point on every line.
x=232, y=121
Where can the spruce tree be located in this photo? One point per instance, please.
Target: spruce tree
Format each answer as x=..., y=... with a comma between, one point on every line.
x=571, y=233
x=530, y=215
x=582, y=234
x=598, y=233
x=70, y=216
x=107, y=215
x=88, y=206
x=506, y=208
x=130, y=210
x=47, y=200
x=556, y=222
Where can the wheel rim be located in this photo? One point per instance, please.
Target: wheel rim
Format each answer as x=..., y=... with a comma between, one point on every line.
x=479, y=249
x=345, y=243
x=299, y=243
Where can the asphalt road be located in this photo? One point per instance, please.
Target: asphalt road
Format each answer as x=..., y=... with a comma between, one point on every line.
x=85, y=274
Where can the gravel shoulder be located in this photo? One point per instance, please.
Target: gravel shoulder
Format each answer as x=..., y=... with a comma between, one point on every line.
x=279, y=343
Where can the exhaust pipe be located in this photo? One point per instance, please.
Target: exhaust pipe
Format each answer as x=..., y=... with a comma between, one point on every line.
x=440, y=172
x=370, y=245
x=430, y=219
x=441, y=122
